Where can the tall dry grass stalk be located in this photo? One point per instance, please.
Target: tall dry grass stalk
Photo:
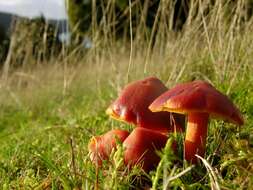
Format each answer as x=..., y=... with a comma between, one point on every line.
x=214, y=44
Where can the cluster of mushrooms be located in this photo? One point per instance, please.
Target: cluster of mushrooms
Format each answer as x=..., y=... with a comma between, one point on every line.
x=155, y=112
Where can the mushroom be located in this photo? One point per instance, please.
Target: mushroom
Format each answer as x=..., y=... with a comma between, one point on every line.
x=151, y=128
x=140, y=148
x=200, y=100
x=132, y=107
x=100, y=147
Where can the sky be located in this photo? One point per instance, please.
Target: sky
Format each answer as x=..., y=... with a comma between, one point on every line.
x=52, y=9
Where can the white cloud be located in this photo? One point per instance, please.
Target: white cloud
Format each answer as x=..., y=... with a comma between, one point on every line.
x=30, y=8
x=10, y=2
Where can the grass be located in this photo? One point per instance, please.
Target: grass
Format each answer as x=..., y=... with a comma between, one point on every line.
x=49, y=111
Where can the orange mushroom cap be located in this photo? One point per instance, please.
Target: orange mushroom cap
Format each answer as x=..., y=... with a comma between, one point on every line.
x=197, y=96
x=100, y=147
x=132, y=106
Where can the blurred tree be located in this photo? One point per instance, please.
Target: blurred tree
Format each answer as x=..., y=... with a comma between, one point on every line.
x=36, y=39
x=4, y=44
x=2, y=34
x=79, y=12
x=117, y=11
x=82, y=13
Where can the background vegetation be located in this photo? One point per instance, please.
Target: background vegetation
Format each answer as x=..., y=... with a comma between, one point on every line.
x=51, y=107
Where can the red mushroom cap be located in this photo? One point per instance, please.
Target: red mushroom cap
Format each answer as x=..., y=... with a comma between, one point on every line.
x=100, y=147
x=132, y=106
x=140, y=148
x=197, y=96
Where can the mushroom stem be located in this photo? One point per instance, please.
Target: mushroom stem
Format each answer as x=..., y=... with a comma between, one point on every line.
x=196, y=133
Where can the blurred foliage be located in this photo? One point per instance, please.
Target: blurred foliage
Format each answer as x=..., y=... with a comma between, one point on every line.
x=79, y=12
x=83, y=14
x=4, y=44
x=2, y=34
x=33, y=39
x=117, y=14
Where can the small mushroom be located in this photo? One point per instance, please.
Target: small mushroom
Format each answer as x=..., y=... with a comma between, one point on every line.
x=140, y=148
x=200, y=100
x=100, y=147
x=132, y=107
